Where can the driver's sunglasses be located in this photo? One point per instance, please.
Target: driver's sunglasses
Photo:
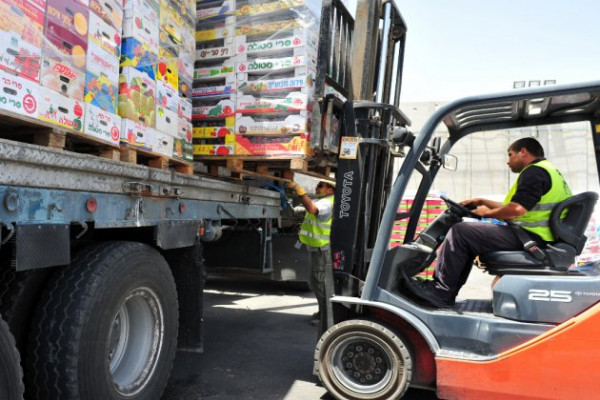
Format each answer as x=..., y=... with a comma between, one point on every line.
x=320, y=185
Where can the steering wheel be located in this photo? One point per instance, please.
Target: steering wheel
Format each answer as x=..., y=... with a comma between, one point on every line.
x=459, y=209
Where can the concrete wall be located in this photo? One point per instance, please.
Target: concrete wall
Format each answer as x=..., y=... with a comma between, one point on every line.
x=482, y=169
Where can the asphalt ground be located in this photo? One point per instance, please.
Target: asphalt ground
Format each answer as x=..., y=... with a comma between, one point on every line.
x=259, y=344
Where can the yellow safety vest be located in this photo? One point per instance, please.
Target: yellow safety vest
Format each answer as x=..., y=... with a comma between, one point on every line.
x=315, y=233
x=536, y=219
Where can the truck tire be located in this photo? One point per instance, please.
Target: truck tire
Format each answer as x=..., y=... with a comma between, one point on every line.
x=11, y=375
x=363, y=360
x=106, y=327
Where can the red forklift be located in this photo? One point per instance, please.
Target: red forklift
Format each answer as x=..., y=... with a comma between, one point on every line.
x=537, y=337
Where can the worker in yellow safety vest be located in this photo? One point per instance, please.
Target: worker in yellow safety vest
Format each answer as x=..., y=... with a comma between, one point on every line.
x=538, y=188
x=314, y=233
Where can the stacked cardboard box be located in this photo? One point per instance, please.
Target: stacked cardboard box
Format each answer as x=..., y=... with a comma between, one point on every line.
x=118, y=71
x=214, y=79
x=261, y=57
x=432, y=208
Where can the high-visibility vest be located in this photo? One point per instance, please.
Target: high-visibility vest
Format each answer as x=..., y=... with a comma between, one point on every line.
x=536, y=219
x=315, y=233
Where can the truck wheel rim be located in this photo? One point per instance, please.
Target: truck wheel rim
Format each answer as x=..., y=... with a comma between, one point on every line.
x=362, y=364
x=135, y=340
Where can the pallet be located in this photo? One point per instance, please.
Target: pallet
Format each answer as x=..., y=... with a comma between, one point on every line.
x=135, y=155
x=279, y=168
x=30, y=130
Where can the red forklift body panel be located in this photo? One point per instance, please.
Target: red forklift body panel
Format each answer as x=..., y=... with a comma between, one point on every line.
x=560, y=364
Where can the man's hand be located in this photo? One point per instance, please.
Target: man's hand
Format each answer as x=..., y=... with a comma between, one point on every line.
x=299, y=189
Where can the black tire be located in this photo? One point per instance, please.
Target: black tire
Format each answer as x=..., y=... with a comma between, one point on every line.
x=20, y=292
x=106, y=327
x=363, y=360
x=11, y=375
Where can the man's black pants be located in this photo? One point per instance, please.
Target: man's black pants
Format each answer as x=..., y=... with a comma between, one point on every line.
x=464, y=242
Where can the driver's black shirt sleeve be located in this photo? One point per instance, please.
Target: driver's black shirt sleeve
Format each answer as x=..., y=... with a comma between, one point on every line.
x=533, y=183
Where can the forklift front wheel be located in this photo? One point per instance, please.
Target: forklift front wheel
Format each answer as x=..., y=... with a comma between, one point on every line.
x=363, y=360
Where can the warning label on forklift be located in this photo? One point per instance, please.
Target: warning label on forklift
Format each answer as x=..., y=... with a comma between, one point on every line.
x=349, y=147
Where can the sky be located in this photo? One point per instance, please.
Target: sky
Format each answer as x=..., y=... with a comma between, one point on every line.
x=456, y=48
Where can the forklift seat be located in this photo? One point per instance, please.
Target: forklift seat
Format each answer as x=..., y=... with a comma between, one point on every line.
x=558, y=255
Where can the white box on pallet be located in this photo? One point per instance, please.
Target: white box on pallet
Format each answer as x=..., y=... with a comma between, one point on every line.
x=110, y=11
x=301, y=43
x=166, y=96
x=143, y=30
x=291, y=124
x=136, y=134
x=141, y=8
x=162, y=143
x=304, y=83
x=102, y=125
x=292, y=102
x=218, y=32
x=19, y=95
x=184, y=109
x=104, y=35
x=223, y=109
x=220, y=12
x=166, y=120
x=281, y=64
x=224, y=71
x=185, y=131
x=60, y=110
x=226, y=50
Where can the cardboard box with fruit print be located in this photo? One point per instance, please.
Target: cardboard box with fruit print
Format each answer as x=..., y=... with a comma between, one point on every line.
x=292, y=102
x=111, y=11
x=105, y=36
x=212, y=132
x=60, y=110
x=216, y=12
x=223, y=109
x=136, y=134
x=62, y=77
x=271, y=146
x=138, y=55
x=185, y=130
x=290, y=125
x=167, y=97
x=183, y=150
x=166, y=120
x=66, y=32
x=162, y=143
x=102, y=79
x=21, y=35
x=141, y=8
x=214, y=149
x=167, y=70
x=143, y=30
x=137, y=96
x=102, y=125
x=18, y=95
x=303, y=83
x=300, y=42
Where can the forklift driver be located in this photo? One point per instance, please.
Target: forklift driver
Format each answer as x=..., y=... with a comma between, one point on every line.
x=528, y=204
x=314, y=233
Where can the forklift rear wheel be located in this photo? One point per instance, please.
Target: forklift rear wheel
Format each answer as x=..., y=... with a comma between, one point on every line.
x=363, y=360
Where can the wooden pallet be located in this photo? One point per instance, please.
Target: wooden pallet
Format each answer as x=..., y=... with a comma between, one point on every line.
x=30, y=130
x=135, y=155
x=280, y=168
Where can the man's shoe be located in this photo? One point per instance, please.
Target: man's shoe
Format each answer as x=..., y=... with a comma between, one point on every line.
x=426, y=290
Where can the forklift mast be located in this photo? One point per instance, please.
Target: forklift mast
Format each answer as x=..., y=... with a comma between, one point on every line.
x=367, y=150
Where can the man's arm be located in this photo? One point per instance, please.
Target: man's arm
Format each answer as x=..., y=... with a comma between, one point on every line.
x=482, y=202
x=308, y=204
x=508, y=211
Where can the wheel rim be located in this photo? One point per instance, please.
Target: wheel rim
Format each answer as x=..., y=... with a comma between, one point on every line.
x=135, y=340
x=362, y=364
